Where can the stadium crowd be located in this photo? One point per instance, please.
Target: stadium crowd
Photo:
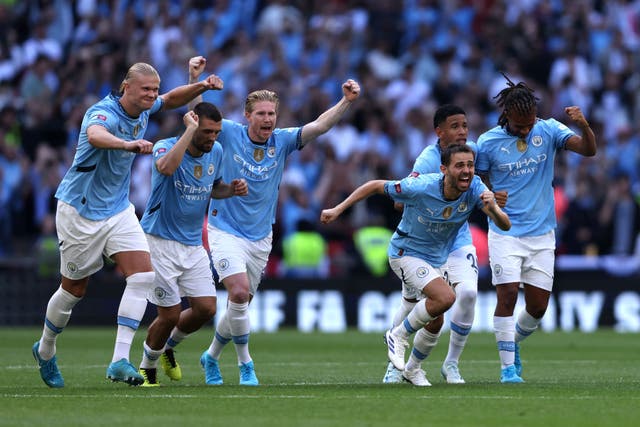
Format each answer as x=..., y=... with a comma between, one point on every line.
x=57, y=57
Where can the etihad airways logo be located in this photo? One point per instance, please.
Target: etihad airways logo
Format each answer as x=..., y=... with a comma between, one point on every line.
x=523, y=166
x=256, y=172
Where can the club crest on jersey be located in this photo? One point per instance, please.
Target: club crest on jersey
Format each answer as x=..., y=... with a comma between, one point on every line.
x=210, y=170
x=197, y=171
x=521, y=145
x=462, y=207
x=447, y=212
x=71, y=267
x=536, y=141
x=258, y=154
x=271, y=151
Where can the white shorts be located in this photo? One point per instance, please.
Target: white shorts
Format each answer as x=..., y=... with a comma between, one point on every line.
x=527, y=259
x=181, y=271
x=415, y=274
x=84, y=242
x=232, y=255
x=462, y=266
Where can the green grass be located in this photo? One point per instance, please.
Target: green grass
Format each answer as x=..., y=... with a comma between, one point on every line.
x=572, y=379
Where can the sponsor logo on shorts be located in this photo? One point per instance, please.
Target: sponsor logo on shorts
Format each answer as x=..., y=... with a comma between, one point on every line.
x=72, y=267
x=160, y=293
x=223, y=264
x=497, y=269
x=422, y=272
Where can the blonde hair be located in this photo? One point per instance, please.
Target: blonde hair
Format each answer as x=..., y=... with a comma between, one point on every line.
x=258, y=96
x=139, y=68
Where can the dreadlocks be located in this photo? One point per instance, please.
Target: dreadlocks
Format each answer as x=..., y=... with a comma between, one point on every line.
x=515, y=97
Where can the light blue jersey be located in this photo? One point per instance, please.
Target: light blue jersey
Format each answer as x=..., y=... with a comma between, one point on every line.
x=178, y=202
x=429, y=223
x=524, y=168
x=429, y=161
x=261, y=165
x=97, y=184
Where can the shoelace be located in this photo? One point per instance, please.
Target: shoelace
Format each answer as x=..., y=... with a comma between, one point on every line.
x=171, y=358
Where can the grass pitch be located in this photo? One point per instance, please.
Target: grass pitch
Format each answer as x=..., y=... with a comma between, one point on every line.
x=572, y=379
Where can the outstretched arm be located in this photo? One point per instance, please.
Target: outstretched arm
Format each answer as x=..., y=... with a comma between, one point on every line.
x=367, y=189
x=328, y=119
x=494, y=212
x=585, y=144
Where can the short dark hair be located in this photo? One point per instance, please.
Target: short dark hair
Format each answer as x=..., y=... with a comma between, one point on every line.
x=208, y=110
x=445, y=111
x=452, y=149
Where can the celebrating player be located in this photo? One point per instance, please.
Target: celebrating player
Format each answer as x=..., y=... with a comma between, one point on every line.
x=186, y=176
x=435, y=208
x=95, y=218
x=240, y=228
x=517, y=156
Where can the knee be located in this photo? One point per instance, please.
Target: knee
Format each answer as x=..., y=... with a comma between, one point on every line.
x=238, y=292
x=205, y=312
x=537, y=311
x=466, y=295
x=168, y=316
x=447, y=298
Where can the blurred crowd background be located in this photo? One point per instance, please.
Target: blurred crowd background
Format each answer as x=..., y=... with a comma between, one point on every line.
x=57, y=57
